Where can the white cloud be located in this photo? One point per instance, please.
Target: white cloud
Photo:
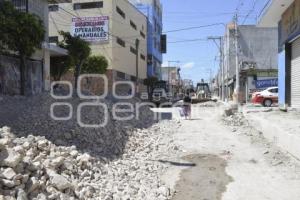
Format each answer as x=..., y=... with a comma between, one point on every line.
x=188, y=65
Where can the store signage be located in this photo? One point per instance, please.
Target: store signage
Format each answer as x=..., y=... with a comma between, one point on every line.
x=91, y=29
x=266, y=83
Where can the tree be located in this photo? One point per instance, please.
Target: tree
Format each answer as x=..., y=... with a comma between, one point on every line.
x=78, y=49
x=95, y=65
x=59, y=66
x=150, y=82
x=22, y=33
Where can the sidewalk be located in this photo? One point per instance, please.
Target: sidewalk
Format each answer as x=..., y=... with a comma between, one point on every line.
x=281, y=128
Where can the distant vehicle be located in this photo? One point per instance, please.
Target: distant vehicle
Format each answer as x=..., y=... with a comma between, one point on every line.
x=202, y=93
x=160, y=95
x=266, y=97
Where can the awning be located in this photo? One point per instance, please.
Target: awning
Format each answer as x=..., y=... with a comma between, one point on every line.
x=271, y=14
x=54, y=49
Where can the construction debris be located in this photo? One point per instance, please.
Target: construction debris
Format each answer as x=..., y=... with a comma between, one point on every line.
x=32, y=167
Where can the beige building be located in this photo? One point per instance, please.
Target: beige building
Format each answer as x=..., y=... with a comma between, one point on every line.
x=112, y=27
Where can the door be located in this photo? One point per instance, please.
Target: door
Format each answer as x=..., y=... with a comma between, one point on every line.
x=295, y=74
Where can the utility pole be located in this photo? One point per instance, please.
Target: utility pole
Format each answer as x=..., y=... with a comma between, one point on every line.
x=237, y=70
x=220, y=46
x=137, y=43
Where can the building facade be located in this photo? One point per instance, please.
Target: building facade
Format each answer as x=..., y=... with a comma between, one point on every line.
x=38, y=66
x=153, y=10
x=257, y=60
x=171, y=75
x=284, y=15
x=114, y=29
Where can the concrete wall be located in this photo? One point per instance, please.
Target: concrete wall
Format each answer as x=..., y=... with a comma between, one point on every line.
x=10, y=76
x=257, y=45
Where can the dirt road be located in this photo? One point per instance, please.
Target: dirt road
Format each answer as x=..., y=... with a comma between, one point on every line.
x=222, y=162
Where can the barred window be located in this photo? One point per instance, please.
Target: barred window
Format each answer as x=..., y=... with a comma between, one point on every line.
x=88, y=5
x=21, y=5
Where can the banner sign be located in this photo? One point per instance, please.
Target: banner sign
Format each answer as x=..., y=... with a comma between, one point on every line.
x=266, y=83
x=91, y=29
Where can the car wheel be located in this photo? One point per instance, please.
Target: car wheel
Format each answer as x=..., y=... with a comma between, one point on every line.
x=268, y=102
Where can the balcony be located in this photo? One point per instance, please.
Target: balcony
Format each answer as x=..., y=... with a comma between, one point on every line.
x=271, y=13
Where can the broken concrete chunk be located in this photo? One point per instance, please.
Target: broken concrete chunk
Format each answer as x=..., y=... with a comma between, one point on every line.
x=8, y=173
x=10, y=158
x=60, y=182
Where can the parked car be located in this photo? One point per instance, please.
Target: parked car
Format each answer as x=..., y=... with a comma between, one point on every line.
x=266, y=97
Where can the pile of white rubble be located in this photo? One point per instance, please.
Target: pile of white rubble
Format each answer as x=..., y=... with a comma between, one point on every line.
x=32, y=167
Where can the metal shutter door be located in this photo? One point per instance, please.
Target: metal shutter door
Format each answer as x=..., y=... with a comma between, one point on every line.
x=295, y=74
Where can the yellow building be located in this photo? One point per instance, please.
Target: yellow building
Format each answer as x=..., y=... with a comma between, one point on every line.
x=112, y=27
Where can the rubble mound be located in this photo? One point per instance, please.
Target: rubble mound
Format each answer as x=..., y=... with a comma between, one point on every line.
x=31, y=116
x=34, y=168
x=236, y=119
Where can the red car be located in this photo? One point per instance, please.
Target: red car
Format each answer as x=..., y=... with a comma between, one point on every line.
x=267, y=97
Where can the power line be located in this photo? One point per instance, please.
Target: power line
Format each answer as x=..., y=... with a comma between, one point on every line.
x=249, y=13
x=191, y=40
x=195, y=27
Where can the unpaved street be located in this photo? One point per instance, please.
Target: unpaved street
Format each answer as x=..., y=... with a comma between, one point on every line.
x=229, y=163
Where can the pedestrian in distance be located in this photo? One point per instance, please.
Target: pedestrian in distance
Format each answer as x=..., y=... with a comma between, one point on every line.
x=187, y=106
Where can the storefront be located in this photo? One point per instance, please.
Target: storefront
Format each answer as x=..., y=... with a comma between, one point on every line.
x=289, y=40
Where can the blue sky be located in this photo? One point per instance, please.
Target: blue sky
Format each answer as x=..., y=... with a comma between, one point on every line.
x=198, y=59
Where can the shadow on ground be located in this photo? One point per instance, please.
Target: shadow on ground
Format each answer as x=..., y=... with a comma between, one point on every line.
x=179, y=164
x=31, y=116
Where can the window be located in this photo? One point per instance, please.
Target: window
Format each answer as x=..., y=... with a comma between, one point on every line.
x=274, y=90
x=133, y=50
x=120, y=42
x=132, y=24
x=121, y=12
x=21, y=5
x=142, y=34
x=143, y=57
x=88, y=5
x=53, y=8
x=53, y=39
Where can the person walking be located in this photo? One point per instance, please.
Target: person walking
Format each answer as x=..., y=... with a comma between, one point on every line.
x=187, y=106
